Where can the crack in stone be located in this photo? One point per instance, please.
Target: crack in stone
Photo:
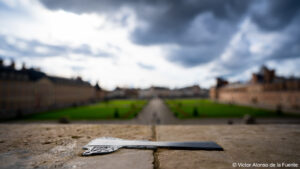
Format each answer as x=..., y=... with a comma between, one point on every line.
x=155, y=152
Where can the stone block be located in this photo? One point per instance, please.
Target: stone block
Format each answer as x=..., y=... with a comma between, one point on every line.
x=242, y=144
x=60, y=146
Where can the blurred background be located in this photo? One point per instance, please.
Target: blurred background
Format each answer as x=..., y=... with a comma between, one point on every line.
x=150, y=62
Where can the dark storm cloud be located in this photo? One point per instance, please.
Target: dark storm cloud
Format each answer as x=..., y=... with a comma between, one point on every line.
x=276, y=14
x=166, y=21
x=239, y=58
x=145, y=66
x=33, y=48
x=172, y=22
x=200, y=31
x=290, y=45
x=178, y=22
x=287, y=47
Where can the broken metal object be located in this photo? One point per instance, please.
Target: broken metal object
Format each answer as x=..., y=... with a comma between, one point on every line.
x=105, y=145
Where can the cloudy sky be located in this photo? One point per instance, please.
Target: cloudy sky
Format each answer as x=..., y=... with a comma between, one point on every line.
x=139, y=43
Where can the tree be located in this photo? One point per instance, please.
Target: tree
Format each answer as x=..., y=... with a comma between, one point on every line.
x=116, y=113
x=195, y=112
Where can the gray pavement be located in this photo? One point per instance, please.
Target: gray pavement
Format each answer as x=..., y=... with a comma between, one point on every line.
x=156, y=112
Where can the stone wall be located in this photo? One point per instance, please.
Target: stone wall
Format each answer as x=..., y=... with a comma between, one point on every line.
x=20, y=97
x=15, y=95
x=72, y=94
x=266, y=95
x=285, y=99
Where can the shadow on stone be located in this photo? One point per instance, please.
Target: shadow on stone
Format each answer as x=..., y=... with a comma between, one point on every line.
x=64, y=120
x=248, y=119
x=230, y=122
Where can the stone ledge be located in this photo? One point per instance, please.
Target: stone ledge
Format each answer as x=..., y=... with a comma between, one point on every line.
x=242, y=143
x=52, y=146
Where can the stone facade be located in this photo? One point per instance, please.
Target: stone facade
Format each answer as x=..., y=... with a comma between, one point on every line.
x=28, y=90
x=189, y=91
x=264, y=89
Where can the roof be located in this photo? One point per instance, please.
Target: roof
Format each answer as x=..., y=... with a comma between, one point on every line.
x=61, y=80
x=235, y=85
x=34, y=75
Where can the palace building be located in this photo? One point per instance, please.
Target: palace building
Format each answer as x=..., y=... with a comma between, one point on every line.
x=265, y=89
x=26, y=91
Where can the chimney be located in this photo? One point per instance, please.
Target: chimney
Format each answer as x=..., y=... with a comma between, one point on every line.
x=254, y=78
x=78, y=78
x=23, y=66
x=269, y=76
x=221, y=82
x=12, y=65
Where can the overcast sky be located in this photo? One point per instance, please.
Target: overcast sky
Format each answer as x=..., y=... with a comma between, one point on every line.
x=139, y=43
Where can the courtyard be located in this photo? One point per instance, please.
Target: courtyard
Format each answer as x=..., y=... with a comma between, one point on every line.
x=205, y=108
x=159, y=111
x=118, y=109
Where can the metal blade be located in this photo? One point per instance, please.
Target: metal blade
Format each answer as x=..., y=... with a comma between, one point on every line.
x=106, y=145
x=207, y=145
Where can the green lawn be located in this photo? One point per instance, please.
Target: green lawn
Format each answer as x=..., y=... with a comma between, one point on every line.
x=124, y=109
x=201, y=108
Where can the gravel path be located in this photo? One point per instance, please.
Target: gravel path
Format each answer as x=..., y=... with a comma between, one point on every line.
x=156, y=112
